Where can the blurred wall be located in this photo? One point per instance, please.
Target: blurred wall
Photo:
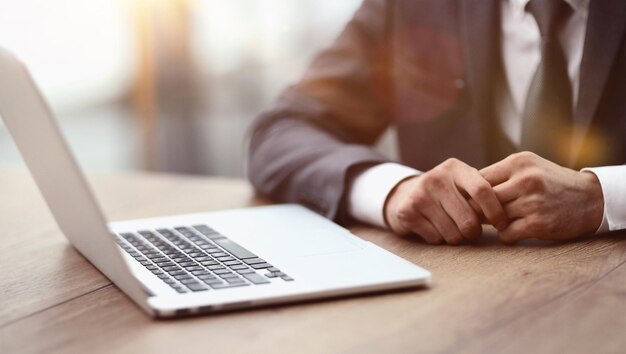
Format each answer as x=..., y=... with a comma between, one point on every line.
x=165, y=85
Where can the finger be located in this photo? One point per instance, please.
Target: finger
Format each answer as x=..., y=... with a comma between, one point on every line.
x=517, y=208
x=443, y=224
x=483, y=194
x=425, y=229
x=508, y=191
x=516, y=231
x=476, y=209
x=497, y=173
x=466, y=220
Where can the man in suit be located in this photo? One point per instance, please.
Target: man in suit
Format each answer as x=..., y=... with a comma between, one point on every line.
x=498, y=106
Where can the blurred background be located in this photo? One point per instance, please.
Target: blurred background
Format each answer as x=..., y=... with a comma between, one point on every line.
x=164, y=85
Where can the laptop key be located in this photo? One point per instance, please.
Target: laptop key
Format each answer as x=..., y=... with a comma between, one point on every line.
x=235, y=281
x=207, y=231
x=228, y=275
x=238, y=267
x=179, y=289
x=286, y=278
x=255, y=278
x=225, y=258
x=261, y=265
x=203, y=229
x=197, y=287
x=253, y=260
x=232, y=263
x=234, y=248
x=226, y=285
x=222, y=271
x=206, y=276
x=245, y=271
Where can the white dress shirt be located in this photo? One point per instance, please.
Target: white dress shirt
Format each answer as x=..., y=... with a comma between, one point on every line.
x=521, y=53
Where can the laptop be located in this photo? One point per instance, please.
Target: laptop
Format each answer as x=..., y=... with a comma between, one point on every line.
x=197, y=263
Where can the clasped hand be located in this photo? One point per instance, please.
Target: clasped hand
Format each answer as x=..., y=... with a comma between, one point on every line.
x=523, y=196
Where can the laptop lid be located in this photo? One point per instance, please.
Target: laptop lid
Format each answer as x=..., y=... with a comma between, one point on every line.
x=58, y=176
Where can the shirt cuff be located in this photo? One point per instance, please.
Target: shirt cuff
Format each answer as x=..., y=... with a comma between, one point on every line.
x=614, y=191
x=370, y=189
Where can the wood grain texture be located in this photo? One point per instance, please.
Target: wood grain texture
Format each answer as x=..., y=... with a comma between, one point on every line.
x=486, y=297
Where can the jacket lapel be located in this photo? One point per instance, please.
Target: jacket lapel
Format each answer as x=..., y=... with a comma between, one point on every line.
x=605, y=30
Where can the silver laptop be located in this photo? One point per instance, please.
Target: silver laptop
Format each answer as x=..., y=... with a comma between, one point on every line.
x=197, y=263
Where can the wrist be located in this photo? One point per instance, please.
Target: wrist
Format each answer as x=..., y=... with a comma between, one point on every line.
x=392, y=204
x=594, y=203
x=370, y=189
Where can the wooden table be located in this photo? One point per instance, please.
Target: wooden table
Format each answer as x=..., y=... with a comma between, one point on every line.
x=534, y=297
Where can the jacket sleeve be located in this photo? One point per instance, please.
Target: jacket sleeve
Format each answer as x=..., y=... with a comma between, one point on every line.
x=320, y=130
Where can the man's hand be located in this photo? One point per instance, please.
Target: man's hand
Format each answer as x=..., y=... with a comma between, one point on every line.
x=435, y=205
x=544, y=200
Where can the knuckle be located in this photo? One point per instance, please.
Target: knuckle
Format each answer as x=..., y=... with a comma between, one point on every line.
x=527, y=156
x=418, y=201
x=432, y=239
x=481, y=190
x=405, y=213
x=533, y=180
x=434, y=179
x=532, y=204
x=453, y=236
x=536, y=226
x=523, y=158
x=507, y=236
x=469, y=228
x=451, y=162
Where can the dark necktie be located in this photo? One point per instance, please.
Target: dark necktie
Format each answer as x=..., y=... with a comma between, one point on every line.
x=547, y=118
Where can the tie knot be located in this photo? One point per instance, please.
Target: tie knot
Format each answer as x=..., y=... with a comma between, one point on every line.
x=549, y=15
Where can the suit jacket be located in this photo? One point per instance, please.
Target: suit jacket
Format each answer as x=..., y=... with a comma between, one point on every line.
x=431, y=68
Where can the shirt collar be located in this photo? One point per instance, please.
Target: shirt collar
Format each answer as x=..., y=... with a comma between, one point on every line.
x=577, y=5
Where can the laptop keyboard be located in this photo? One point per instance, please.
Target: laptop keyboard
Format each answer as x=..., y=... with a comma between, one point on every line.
x=197, y=258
